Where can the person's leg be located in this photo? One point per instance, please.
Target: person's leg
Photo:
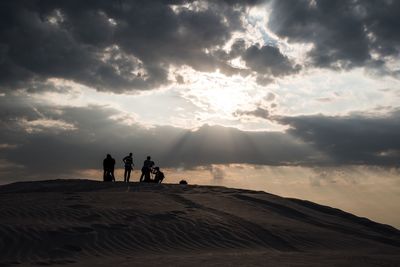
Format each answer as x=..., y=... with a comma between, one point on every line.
x=128, y=175
x=112, y=175
x=147, y=176
x=125, y=174
x=141, y=176
x=104, y=175
x=107, y=174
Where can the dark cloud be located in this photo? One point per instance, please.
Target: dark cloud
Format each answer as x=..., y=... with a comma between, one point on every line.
x=258, y=112
x=131, y=45
x=344, y=34
x=269, y=60
x=352, y=139
x=47, y=140
x=112, y=45
x=266, y=62
x=43, y=141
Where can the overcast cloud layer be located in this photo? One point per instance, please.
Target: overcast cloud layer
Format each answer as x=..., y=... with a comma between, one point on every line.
x=114, y=45
x=344, y=34
x=130, y=45
x=43, y=139
x=143, y=46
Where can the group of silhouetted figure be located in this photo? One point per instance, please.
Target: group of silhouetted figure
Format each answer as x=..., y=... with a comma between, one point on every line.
x=150, y=174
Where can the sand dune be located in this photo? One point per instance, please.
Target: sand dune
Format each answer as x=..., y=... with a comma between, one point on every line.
x=86, y=223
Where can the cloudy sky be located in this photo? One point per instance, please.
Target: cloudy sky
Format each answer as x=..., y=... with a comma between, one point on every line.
x=299, y=98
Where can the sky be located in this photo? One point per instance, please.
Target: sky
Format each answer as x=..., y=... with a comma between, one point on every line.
x=297, y=98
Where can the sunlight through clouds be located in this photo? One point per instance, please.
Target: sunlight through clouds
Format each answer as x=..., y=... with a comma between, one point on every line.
x=219, y=94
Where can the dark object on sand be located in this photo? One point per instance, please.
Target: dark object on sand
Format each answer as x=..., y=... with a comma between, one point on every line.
x=183, y=182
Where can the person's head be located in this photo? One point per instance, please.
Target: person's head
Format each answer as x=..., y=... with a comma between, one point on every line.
x=108, y=156
x=130, y=154
x=148, y=157
x=157, y=168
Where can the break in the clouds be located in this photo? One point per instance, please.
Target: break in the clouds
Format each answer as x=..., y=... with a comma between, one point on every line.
x=197, y=83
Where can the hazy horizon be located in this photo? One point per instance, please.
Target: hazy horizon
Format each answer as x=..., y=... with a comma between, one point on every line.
x=296, y=98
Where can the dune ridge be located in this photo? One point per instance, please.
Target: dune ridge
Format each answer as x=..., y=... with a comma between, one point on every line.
x=78, y=222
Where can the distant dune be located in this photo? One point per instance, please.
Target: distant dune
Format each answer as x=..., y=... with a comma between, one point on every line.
x=89, y=223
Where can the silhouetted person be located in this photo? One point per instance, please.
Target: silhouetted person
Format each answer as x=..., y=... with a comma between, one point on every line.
x=146, y=169
x=108, y=167
x=128, y=161
x=159, y=175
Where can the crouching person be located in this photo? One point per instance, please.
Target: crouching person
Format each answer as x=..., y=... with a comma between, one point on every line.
x=159, y=175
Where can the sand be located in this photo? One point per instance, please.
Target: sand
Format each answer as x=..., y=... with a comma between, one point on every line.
x=89, y=223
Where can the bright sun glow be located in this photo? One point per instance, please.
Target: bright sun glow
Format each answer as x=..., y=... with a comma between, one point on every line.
x=217, y=93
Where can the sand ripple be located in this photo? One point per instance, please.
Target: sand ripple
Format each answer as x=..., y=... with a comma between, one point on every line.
x=59, y=222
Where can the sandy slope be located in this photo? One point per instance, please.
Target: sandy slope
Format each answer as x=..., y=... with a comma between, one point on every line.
x=86, y=223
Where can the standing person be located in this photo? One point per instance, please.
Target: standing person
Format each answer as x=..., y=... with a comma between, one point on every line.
x=146, y=169
x=128, y=161
x=108, y=168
